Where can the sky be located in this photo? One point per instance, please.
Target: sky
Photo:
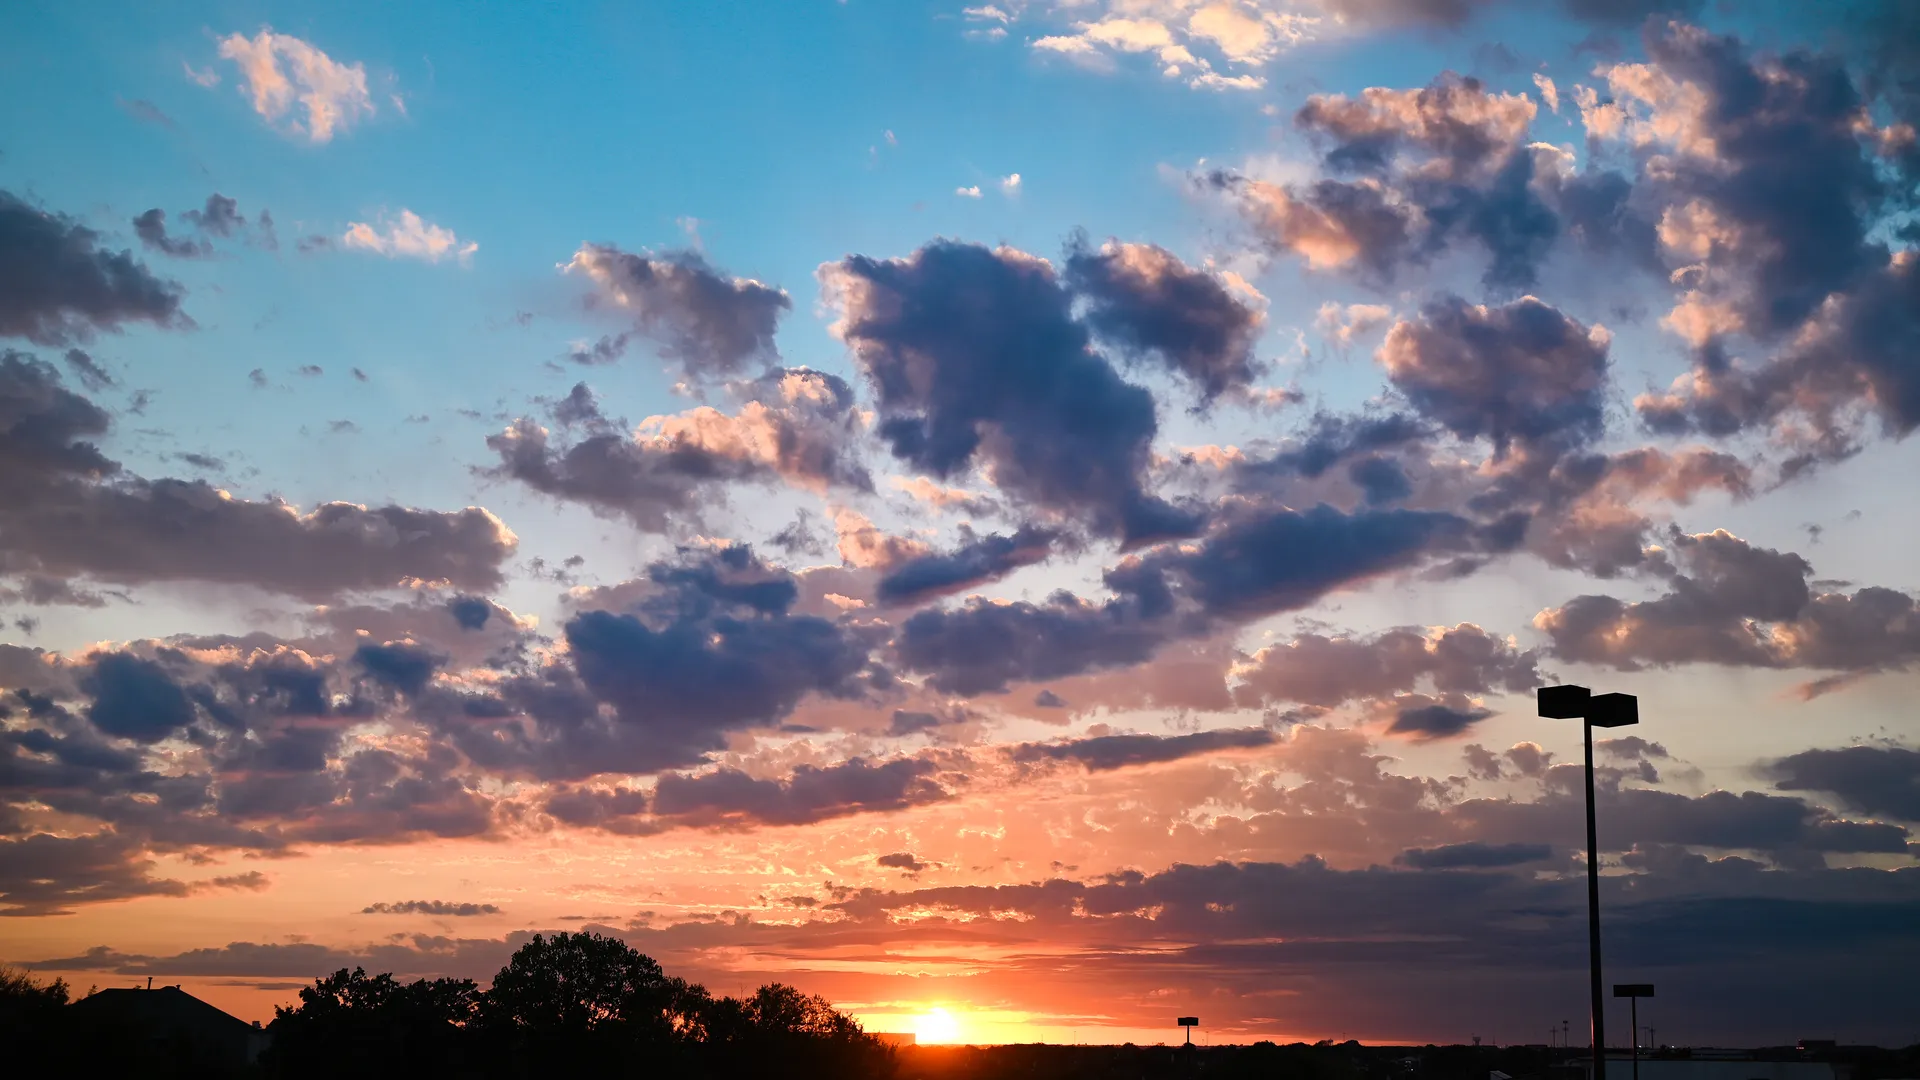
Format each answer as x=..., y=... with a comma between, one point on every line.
x=1029, y=520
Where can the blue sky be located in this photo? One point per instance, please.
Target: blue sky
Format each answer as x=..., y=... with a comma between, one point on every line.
x=1197, y=175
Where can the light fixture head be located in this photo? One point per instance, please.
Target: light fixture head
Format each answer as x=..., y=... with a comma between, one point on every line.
x=1613, y=710
x=1564, y=702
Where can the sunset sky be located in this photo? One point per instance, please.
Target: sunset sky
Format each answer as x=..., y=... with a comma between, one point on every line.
x=1028, y=520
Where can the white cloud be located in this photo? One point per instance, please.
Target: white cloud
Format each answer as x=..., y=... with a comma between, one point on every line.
x=968, y=192
x=1549, y=93
x=283, y=75
x=1010, y=184
x=1213, y=80
x=408, y=237
x=1200, y=41
x=987, y=13
x=204, y=76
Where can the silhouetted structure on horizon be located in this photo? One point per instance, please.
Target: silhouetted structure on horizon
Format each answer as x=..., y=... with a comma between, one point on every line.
x=172, y=1025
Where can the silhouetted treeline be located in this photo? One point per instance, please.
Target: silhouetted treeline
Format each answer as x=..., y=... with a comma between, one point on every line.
x=1300, y=1061
x=567, y=1004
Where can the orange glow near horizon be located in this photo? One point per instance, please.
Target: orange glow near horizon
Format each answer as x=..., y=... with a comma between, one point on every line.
x=937, y=1026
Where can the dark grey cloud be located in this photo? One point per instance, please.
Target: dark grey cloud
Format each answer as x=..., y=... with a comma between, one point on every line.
x=1317, y=669
x=1423, y=718
x=903, y=860
x=975, y=358
x=1474, y=856
x=706, y=645
x=402, y=665
x=471, y=612
x=983, y=647
x=711, y=325
x=1866, y=779
x=1447, y=164
x=612, y=474
x=1734, y=604
x=45, y=874
x=1452, y=14
x=1285, y=559
x=219, y=217
x=978, y=560
x=151, y=228
x=1521, y=371
x=1330, y=439
x=89, y=371
x=729, y=797
x=794, y=425
x=1142, y=300
x=1099, y=753
x=58, y=285
x=430, y=907
x=66, y=511
x=135, y=698
x=1775, y=210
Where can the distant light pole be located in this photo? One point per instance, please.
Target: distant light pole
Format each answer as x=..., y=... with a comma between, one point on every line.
x=1633, y=992
x=1607, y=711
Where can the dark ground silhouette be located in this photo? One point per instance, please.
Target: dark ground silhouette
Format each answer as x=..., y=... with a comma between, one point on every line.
x=583, y=1004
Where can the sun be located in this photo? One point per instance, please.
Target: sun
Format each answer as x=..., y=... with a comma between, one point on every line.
x=936, y=1026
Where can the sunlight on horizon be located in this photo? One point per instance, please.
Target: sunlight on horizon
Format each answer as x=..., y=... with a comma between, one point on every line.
x=936, y=1026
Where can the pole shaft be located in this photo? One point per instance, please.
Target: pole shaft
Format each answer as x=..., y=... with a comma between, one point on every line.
x=1634, y=1019
x=1599, y=1020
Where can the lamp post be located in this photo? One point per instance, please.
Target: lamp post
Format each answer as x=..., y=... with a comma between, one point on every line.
x=1633, y=992
x=1607, y=711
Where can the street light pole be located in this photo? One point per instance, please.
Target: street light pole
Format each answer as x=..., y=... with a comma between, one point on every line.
x=1593, y=710
x=1633, y=992
x=1593, y=920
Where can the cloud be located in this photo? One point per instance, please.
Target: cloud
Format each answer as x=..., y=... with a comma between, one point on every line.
x=1104, y=752
x=43, y=874
x=704, y=645
x=57, y=285
x=407, y=237
x=1521, y=371
x=1422, y=717
x=968, y=192
x=1187, y=39
x=975, y=358
x=1146, y=302
x=796, y=425
x=1010, y=184
x=1865, y=779
x=1473, y=856
x=1315, y=669
x=728, y=798
x=1409, y=175
x=985, y=646
x=151, y=228
x=430, y=907
x=1737, y=605
x=811, y=793
x=294, y=86
x=903, y=860
x=1285, y=559
x=709, y=324
x=980, y=559
x=74, y=512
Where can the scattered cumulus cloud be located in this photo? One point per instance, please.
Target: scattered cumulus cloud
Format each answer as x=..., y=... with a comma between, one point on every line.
x=407, y=236
x=295, y=86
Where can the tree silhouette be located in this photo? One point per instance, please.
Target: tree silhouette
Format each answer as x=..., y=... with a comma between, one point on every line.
x=372, y=1026
x=566, y=1003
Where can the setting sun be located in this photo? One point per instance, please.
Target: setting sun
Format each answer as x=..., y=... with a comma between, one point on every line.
x=936, y=1026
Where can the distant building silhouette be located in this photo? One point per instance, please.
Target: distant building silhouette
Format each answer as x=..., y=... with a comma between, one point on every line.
x=172, y=1024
